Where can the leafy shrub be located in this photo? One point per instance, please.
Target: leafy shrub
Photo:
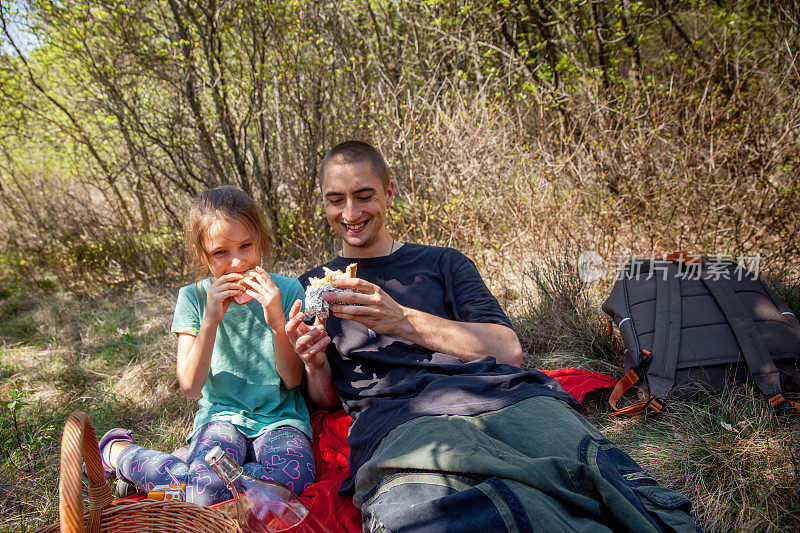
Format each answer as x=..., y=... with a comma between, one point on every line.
x=87, y=264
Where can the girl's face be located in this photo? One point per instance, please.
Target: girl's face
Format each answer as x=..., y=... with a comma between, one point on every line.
x=230, y=246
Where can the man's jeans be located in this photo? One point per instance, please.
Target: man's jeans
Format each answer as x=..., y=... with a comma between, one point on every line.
x=536, y=465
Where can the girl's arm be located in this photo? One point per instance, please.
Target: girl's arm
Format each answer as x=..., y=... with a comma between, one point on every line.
x=289, y=365
x=194, y=353
x=194, y=360
x=287, y=362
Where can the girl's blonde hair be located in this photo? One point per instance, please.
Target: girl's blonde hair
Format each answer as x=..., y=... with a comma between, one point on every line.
x=224, y=203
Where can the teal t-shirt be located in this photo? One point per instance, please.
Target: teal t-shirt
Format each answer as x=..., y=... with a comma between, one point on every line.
x=243, y=385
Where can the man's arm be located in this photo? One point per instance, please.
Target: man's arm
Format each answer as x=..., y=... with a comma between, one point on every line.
x=309, y=343
x=468, y=341
x=320, y=385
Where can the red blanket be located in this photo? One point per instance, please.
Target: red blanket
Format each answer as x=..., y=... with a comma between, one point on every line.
x=336, y=512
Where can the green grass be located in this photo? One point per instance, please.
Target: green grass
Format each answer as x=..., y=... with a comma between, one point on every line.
x=16, y=322
x=112, y=356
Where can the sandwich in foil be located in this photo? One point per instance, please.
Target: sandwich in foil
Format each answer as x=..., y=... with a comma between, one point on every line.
x=315, y=305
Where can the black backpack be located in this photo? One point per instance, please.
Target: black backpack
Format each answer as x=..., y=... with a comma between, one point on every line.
x=691, y=323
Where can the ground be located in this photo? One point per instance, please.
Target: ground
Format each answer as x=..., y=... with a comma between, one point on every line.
x=112, y=356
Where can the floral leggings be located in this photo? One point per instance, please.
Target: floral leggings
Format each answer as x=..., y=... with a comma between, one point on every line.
x=283, y=455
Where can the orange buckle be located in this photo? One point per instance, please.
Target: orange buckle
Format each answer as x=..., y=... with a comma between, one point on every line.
x=644, y=361
x=653, y=406
x=683, y=257
x=782, y=405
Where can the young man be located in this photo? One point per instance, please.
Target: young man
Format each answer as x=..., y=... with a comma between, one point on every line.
x=448, y=433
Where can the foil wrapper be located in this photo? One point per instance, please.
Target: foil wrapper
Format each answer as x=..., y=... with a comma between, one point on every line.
x=315, y=305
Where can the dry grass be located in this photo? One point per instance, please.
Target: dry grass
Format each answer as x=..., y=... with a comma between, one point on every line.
x=112, y=357
x=730, y=454
x=559, y=321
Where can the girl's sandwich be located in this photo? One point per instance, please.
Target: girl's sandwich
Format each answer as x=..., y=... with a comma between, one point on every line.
x=242, y=298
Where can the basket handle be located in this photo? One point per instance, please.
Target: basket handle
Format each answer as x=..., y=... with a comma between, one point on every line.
x=79, y=444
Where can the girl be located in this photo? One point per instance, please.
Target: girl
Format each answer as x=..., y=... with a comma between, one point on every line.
x=238, y=358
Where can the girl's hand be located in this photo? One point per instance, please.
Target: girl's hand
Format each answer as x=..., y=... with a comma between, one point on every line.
x=263, y=289
x=220, y=295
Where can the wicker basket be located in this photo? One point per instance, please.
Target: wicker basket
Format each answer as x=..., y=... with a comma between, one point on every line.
x=79, y=443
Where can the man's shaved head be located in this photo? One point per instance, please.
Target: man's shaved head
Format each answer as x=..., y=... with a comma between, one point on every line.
x=352, y=152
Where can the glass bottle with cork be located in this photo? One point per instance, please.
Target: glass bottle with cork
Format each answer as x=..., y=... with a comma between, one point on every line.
x=262, y=506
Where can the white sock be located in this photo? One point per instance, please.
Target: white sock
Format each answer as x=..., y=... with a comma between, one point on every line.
x=106, y=451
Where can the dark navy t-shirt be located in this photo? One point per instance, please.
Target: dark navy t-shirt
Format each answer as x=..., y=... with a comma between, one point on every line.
x=384, y=380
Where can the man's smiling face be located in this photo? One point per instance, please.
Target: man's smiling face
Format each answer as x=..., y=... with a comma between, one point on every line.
x=356, y=205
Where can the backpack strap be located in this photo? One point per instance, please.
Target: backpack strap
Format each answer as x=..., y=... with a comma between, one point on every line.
x=653, y=405
x=784, y=406
x=667, y=332
x=752, y=345
x=683, y=257
x=634, y=376
x=660, y=375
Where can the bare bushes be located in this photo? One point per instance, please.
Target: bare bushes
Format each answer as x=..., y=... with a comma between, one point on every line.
x=702, y=156
x=83, y=234
x=694, y=148
x=673, y=173
x=556, y=321
x=713, y=182
x=646, y=128
x=458, y=165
